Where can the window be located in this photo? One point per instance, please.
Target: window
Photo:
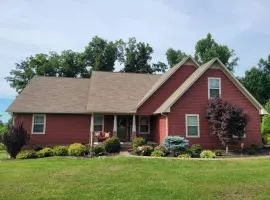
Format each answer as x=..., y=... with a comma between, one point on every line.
x=144, y=125
x=38, y=124
x=214, y=87
x=192, y=126
x=98, y=122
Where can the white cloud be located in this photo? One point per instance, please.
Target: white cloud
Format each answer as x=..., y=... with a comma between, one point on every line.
x=29, y=27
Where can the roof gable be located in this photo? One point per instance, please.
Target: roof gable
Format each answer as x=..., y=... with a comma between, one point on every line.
x=165, y=107
x=165, y=77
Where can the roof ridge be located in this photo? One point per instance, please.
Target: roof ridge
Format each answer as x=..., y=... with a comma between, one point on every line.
x=126, y=73
x=61, y=77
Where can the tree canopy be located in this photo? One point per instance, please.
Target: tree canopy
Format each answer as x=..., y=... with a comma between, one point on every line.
x=137, y=56
x=257, y=80
x=207, y=48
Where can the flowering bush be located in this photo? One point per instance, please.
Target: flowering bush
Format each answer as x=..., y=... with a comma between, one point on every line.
x=46, y=152
x=27, y=154
x=207, y=154
x=102, y=136
x=77, y=149
x=144, y=150
x=137, y=141
x=159, y=151
x=60, y=151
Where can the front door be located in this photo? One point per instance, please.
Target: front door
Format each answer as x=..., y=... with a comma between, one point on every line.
x=123, y=127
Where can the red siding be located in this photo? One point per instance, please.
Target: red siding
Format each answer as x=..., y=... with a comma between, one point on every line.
x=60, y=129
x=148, y=107
x=194, y=101
x=160, y=129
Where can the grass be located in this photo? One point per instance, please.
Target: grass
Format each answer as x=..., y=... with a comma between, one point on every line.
x=133, y=178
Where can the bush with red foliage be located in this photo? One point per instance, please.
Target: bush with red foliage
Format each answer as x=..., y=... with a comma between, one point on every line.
x=227, y=121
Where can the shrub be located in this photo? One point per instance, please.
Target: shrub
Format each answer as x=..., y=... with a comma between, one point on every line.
x=37, y=147
x=266, y=139
x=218, y=152
x=265, y=125
x=112, y=145
x=77, y=149
x=2, y=146
x=207, y=154
x=184, y=155
x=60, y=151
x=137, y=141
x=27, y=154
x=98, y=149
x=195, y=150
x=14, y=139
x=159, y=151
x=46, y=152
x=175, y=144
x=254, y=149
x=144, y=150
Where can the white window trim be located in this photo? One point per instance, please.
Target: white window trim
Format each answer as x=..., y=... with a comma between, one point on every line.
x=145, y=133
x=211, y=78
x=198, y=117
x=98, y=124
x=44, y=128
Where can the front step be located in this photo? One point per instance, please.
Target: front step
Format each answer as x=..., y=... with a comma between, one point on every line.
x=126, y=146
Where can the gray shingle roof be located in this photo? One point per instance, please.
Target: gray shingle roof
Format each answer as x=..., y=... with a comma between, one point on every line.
x=105, y=92
x=52, y=95
x=118, y=92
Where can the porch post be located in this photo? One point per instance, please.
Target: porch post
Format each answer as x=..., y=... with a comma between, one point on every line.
x=115, y=125
x=134, y=126
x=92, y=130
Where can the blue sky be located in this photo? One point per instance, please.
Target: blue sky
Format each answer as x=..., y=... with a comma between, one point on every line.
x=30, y=27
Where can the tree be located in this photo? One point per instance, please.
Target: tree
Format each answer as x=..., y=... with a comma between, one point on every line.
x=71, y=64
x=257, y=80
x=174, y=56
x=14, y=139
x=207, y=48
x=227, y=121
x=136, y=57
x=267, y=106
x=67, y=64
x=101, y=54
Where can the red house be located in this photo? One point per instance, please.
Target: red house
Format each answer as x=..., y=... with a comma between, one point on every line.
x=67, y=110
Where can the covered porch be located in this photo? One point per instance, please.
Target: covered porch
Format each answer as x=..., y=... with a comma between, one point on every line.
x=123, y=126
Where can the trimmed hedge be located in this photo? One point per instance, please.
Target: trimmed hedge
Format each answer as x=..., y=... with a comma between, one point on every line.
x=77, y=149
x=207, y=154
x=159, y=151
x=98, y=149
x=46, y=152
x=27, y=154
x=60, y=151
x=112, y=145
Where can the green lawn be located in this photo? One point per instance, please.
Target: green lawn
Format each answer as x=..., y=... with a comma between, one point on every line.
x=133, y=178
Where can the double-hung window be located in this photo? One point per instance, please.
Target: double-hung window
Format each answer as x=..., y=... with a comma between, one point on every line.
x=192, y=125
x=214, y=87
x=98, y=122
x=38, y=124
x=144, y=125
